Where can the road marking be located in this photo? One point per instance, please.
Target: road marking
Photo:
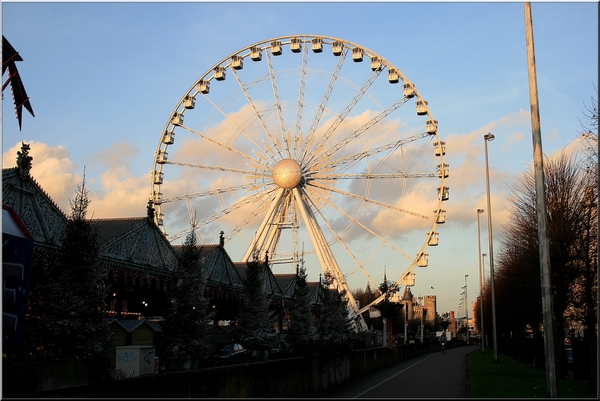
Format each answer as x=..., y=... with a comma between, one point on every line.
x=391, y=377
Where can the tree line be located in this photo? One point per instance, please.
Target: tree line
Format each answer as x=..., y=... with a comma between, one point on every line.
x=571, y=192
x=67, y=308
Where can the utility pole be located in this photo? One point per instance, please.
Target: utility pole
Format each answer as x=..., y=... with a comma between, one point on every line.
x=538, y=157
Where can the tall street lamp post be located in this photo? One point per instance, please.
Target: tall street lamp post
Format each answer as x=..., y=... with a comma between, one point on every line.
x=489, y=137
x=479, y=211
x=467, y=309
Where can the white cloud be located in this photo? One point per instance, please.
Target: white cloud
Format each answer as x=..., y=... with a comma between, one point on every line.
x=52, y=168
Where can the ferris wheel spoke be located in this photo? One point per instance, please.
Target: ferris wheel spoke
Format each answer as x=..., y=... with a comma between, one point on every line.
x=276, y=94
x=392, y=246
x=262, y=164
x=252, y=173
x=386, y=205
x=249, y=137
x=359, y=94
x=256, y=111
x=216, y=216
x=210, y=192
x=262, y=206
x=363, y=155
x=368, y=176
x=343, y=244
x=359, y=131
x=332, y=80
x=301, y=90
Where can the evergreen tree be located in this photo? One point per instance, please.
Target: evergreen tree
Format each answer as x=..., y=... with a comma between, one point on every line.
x=73, y=320
x=335, y=323
x=256, y=327
x=187, y=316
x=302, y=325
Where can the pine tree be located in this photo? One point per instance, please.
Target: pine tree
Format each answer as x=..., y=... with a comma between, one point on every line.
x=73, y=322
x=187, y=317
x=335, y=323
x=302, y=328
x=256, y=327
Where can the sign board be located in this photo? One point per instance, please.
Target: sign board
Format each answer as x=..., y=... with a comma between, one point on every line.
x=136, y=360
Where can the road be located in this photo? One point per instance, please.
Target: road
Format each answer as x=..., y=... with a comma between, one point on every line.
x=432, y=375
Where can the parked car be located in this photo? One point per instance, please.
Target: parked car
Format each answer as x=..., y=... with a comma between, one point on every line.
x=229, y=351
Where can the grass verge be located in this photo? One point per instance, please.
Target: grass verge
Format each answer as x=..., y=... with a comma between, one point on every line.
x=513, y=379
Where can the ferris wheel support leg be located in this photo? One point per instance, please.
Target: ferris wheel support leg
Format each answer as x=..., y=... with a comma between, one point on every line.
x=258, y=242
x=328, y=262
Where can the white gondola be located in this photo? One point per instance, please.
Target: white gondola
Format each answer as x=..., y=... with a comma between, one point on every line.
x=160, y=219
x=317, y=45
x=220, y=73
x=409, y=90
x=443, y=171
x=158, y=177
x=434, y=239
x=276, y=49
x=393, y=76
x=441, y=218
x=431, y=126
x=237, y=62
x=177, y=119
x=162, y=157
x=421, y=107
x=409, y=279
x=375, y=63
x=440, y=148
x=445, y=193
x=423, y=260
x=255, y=53
x=296, y=45
x=357, y=54
x=337, y=48
x=189, y=102
x=204, y=87
x=169, y=138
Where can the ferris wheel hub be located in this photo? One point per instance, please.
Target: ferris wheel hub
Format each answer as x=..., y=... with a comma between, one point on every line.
x=287, y=173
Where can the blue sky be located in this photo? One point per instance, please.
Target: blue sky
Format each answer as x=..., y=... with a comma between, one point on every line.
x=103, y=79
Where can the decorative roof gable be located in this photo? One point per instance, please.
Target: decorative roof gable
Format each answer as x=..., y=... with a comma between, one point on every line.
x=136, y=241
x=219, y=268
x=42, y=217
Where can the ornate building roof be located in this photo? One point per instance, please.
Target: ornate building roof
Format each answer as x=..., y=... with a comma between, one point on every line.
x=137, y=243
x=42, y=217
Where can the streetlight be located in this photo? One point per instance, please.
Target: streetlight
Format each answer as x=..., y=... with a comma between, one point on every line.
x=479, y=211
x=489, y=137
x=467, y=308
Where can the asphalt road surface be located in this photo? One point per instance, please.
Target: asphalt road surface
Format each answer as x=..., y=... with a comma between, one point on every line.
x=432, y=375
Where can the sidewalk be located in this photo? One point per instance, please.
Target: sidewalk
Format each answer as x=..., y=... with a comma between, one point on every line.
x=433, y=375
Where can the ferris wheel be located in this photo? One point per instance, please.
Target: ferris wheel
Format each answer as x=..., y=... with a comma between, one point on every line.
x=305, y=147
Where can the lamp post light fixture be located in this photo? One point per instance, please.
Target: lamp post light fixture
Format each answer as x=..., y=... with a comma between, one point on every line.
x=479, y=211
x=489, y=137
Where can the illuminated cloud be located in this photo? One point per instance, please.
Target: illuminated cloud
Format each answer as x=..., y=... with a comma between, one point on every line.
x=51, y=168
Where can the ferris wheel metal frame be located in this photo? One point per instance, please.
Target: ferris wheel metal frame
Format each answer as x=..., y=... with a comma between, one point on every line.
x=291, y=175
